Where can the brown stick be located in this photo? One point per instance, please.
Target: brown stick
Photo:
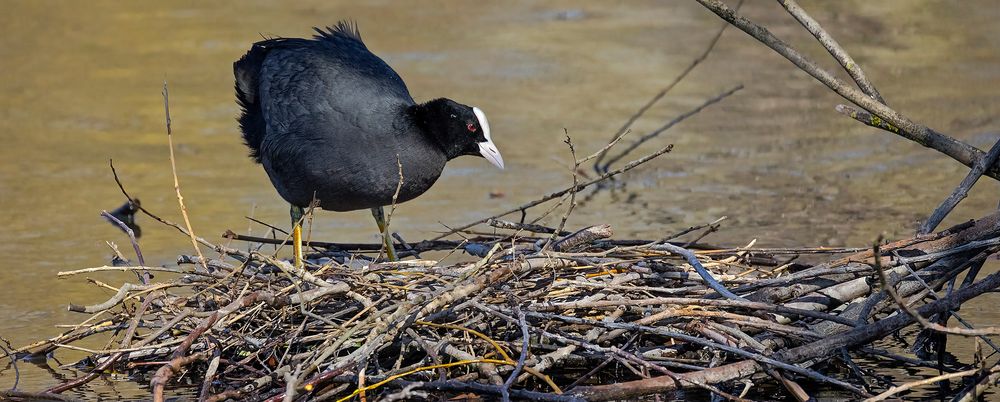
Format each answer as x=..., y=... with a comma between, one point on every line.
x=662, y=384
x=16, y=395
x=177, y=184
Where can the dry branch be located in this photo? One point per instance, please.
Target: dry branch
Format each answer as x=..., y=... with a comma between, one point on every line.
x=923, y=135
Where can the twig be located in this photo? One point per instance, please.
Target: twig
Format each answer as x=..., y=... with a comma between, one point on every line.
x=659, y=95
x=123, y=292
x=961, y=191
x=131, y=236
x=572, y=193
x=392, y=208
x=502, y=224
x=831, y=45
x=676, y=120
x=916, y=315
x=958, y=150
x=560, y=193
x=525, y=336
x=700, y=269
x=131, y=268
x=177, y=185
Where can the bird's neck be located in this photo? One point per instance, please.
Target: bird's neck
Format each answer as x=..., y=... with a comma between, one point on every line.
x=427, y=117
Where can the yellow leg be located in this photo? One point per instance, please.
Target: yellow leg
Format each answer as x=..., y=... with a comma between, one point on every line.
x=297, y=245
x=390, y=250
x=296, y=214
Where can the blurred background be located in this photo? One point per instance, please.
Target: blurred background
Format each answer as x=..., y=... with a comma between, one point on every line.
x=82, y=85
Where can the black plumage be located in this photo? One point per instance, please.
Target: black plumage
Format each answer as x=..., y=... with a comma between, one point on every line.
x=327, y=118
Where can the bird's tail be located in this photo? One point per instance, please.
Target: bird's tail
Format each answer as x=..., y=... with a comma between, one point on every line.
x=247, y=72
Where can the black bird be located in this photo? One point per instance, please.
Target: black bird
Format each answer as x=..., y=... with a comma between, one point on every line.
x=126, y=214
x=329, y=120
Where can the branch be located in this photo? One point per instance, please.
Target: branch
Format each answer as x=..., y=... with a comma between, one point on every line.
x=659, y=95
x=913, y=313
x=958, y=150
x=177, y=184
x=833, y=47
x=670, y=124
x=961, y=191
x=700, y=269
x=560, y=193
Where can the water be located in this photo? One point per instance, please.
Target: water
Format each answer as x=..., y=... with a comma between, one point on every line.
x=82, y=85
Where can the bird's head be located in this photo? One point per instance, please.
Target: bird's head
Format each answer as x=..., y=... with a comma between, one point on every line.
x=458, y=129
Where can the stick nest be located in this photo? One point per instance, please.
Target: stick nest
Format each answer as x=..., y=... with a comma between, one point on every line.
x=570, y=317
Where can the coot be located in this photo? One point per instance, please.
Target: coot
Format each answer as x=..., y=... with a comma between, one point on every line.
x=329, y=120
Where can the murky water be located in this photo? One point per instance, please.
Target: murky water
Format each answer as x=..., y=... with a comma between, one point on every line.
x=81, y=85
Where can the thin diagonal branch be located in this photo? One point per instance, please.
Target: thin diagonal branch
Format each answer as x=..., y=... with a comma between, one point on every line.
x=659, y=95
x=923, y=135
x=834, y=48
x=670, y=124
x=961, y=191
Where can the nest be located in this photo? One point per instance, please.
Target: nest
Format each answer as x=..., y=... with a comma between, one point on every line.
x=570, y=316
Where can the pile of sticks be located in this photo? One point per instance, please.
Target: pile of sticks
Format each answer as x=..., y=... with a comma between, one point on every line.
x=583, y=317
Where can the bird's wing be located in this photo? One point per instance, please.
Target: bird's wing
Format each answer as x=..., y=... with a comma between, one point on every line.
x=333, y=76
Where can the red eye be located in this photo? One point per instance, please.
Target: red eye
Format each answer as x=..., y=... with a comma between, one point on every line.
x=471, y=127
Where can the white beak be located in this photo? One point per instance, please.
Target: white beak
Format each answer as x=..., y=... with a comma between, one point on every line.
x=488, y=149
